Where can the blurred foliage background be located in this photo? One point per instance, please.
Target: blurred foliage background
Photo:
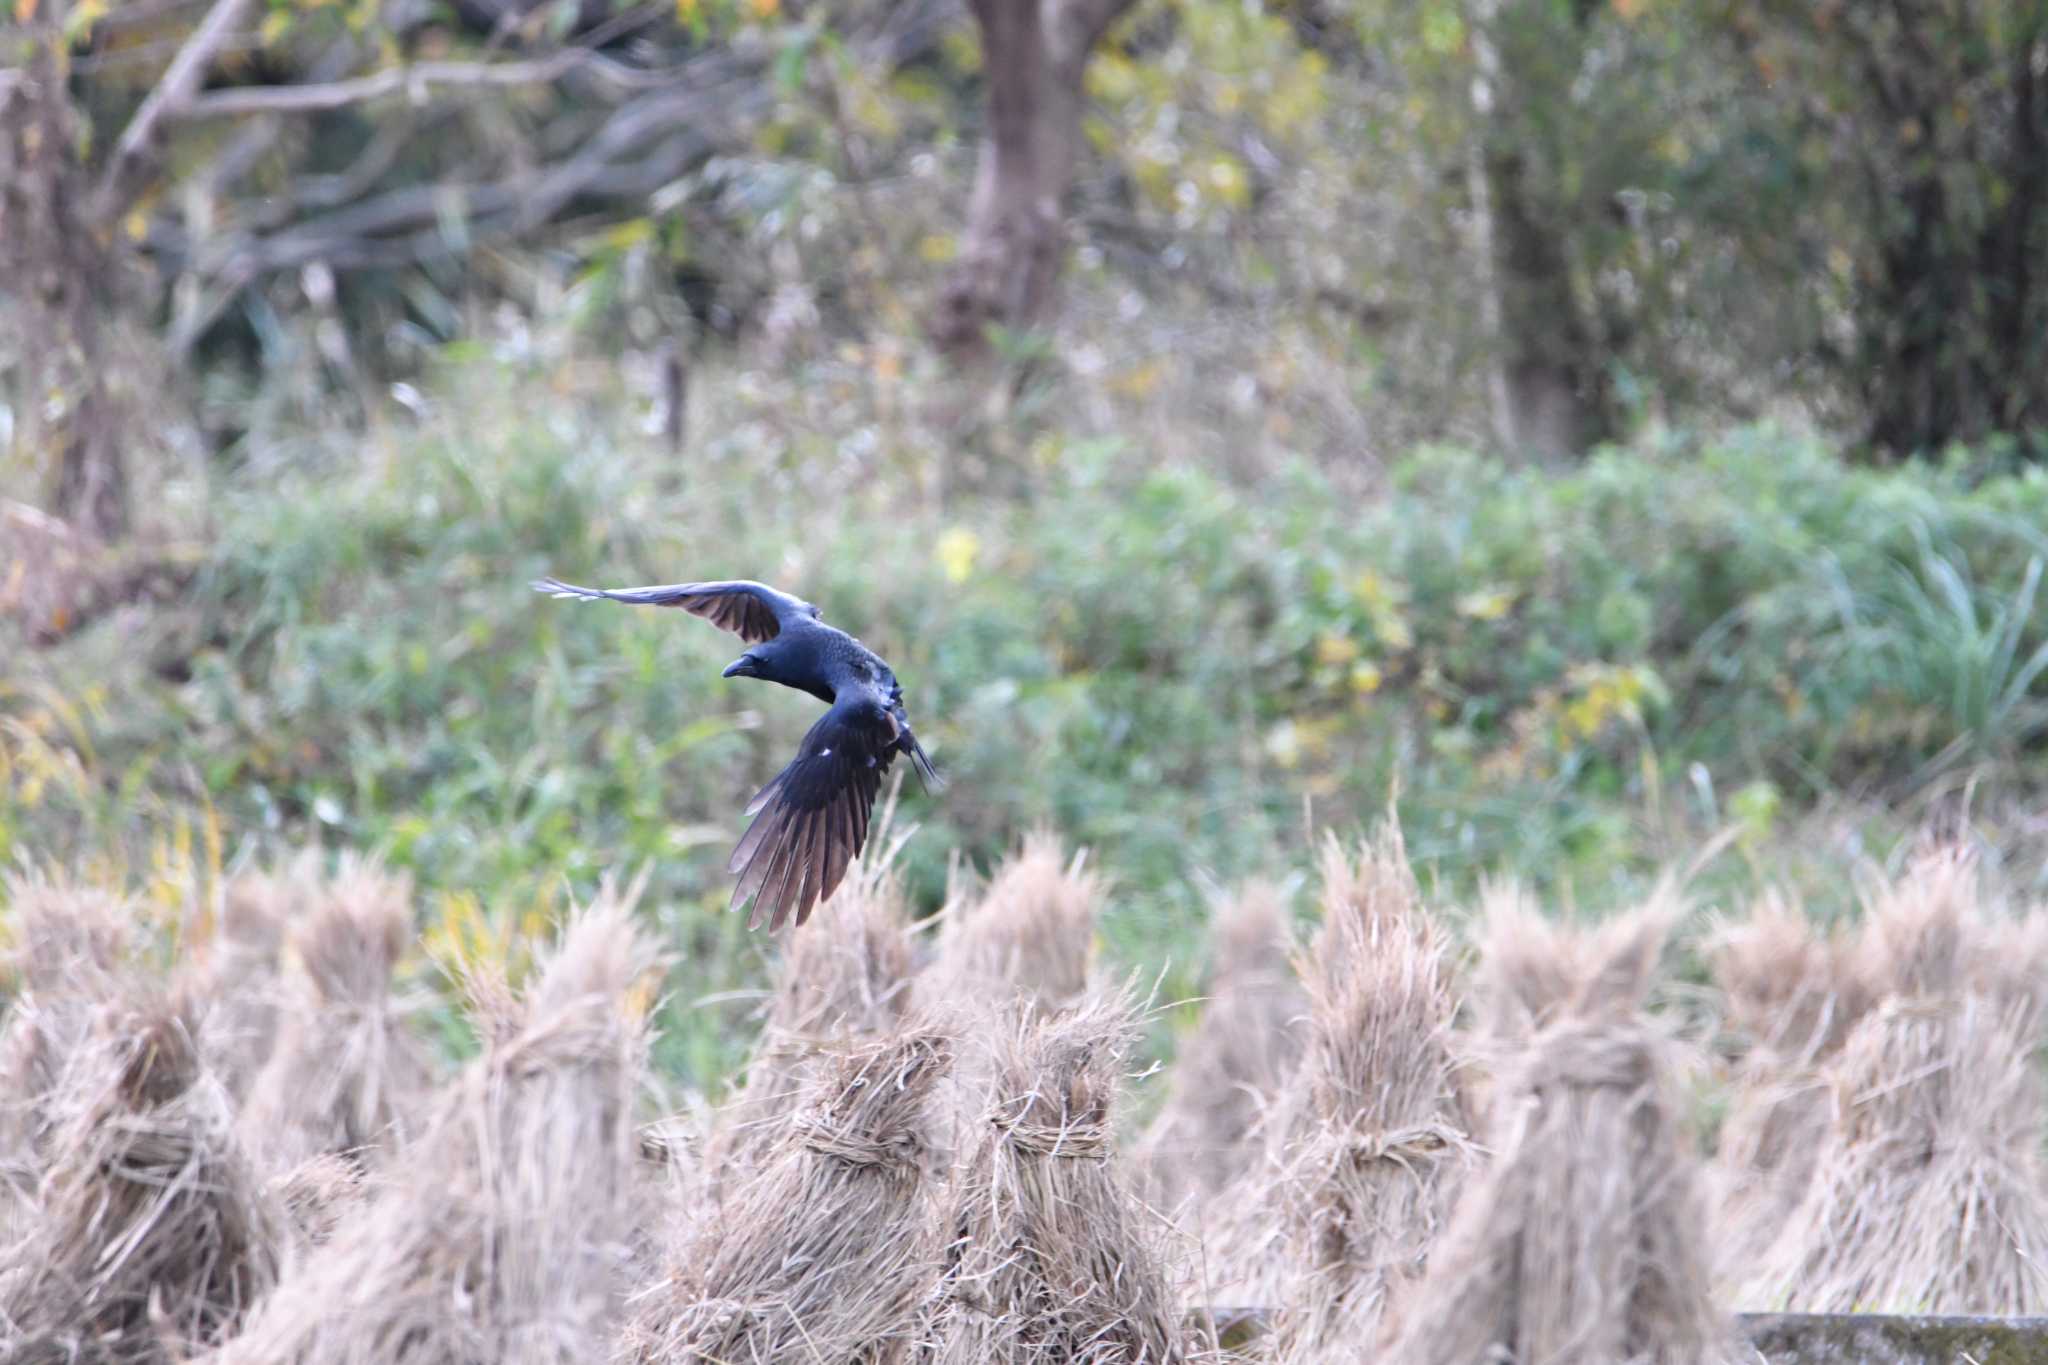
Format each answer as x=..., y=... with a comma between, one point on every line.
x=1611, y=433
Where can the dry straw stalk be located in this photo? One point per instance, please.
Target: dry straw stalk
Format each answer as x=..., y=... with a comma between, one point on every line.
x=232, y=970
x=1368, y=1141
x=67, y=956
x=346, y=1075
x=1026, y=943
x=1365, y=1188
x=1031, y=934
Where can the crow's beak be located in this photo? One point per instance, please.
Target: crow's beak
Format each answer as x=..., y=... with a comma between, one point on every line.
x=739, y=668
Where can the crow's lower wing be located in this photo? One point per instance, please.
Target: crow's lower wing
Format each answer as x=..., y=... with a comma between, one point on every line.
x=752, y=611
x=811, y=821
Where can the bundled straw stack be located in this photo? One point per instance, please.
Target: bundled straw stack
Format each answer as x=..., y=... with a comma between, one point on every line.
x=826, y=1252
x=1370, y=1140
x=1928, y=1192
x=1030, y=936
x=1228, y=1069
x=147, y=1235
x=1583, y=1243
x=501, y=1236
x=1048, y=1258
x=1026, y=944
x=346, y=1076
x=233, y=968
x=1791, y=993
x=68, y=958
x=845, y=976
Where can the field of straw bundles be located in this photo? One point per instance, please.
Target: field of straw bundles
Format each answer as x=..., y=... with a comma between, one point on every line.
x=1394, y=1131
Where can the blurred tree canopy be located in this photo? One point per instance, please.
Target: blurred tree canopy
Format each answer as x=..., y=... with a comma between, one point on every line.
x=1531, y=223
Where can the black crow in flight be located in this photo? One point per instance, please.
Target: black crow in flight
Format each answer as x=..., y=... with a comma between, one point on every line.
x=811, y=821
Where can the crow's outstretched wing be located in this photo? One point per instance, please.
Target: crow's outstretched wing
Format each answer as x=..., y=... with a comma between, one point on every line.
x=752, y=611
x=810, y=822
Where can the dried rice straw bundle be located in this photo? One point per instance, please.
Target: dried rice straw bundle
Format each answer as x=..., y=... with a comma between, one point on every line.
x=846, y=975
x=1049, y=1259
x=1791, y=992
x=827, y=1251
x=1031, y=935
x=1535, y=968
x=1027, y=941
x=1242, y=1049
x=68, y=951
x=501, y=1237
x=234, y=974
x=346, y=1075
x=1365, y=1188
x=1928, y=1192
x=151, y=1235
x=1582, y=1245
x=61, y=938
x=1370, y=1140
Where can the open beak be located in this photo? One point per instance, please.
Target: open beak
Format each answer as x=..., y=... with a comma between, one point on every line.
x=739, y=668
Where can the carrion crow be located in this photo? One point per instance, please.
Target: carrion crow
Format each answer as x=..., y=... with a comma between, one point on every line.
x=810, y=822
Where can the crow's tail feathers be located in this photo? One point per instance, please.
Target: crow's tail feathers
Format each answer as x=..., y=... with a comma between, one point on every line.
x=927, y=776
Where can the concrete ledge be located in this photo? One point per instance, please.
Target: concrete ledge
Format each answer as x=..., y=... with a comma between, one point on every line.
x=1807, y=1338
x=1880, y=1339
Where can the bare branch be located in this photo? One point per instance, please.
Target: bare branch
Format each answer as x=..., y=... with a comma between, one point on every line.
x=171, y=95
x=417, y=81
x=644, y=143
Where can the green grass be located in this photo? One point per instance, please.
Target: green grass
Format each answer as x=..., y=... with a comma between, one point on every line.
x=1575, y=678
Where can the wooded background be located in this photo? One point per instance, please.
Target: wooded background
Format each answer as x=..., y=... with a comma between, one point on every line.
x=1534, y=224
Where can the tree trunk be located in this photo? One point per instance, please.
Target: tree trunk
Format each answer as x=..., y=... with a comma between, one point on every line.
x=1952, y=318
x=1549, y=400
x=59, y=265
x=1551, y=375
x=1034, y=54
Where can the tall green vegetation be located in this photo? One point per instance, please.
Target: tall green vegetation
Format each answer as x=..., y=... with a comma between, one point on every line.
x=1578, y=674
